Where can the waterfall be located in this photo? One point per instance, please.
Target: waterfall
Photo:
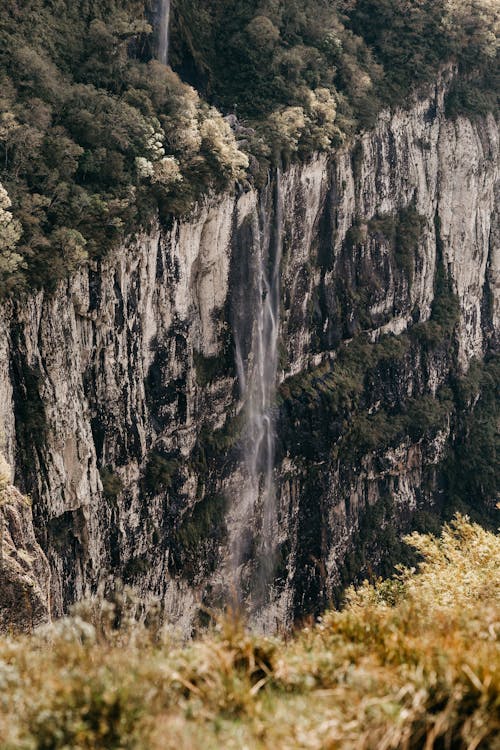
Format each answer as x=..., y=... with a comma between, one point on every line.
x=163, y=31
x=257, y=378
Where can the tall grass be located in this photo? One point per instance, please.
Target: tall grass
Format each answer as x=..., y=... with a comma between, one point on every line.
x=412, y=662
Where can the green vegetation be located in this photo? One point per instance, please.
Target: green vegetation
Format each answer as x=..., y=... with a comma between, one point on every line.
x=198, y=536
x=279, y=64
x=379, y=529
x=342, y=382
x=202, y=521
x=409, y=662
x=375, y=432
x=212, y=443
x=31, y=420
x=160, y=472
x=402, y=232
x=112, y=485
x=445, y=311
x=92, y=140
x=475, y=95
x=209, y=369
x=475, y=463
x=409, y=40
x=135, y=567
x=264, y=54
x=96, y=139
x=409, y=230
x=338, y=410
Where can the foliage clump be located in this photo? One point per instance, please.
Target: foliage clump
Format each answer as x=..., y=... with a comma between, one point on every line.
x=160, y=472
x=10, y=234
x=112, y=485
x=270, y=61
x=409, y=662
x=94, y=139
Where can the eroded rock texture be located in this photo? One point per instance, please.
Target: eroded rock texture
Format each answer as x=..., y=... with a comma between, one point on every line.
x=24, y=569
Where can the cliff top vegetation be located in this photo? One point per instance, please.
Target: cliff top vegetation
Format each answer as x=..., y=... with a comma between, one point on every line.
x=96, y=137
x=409, y=662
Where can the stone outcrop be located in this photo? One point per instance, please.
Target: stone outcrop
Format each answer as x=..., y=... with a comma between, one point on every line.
x=118, y=394
x=24, y=569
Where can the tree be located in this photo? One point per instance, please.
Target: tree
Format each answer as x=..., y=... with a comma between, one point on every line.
x=10, y=234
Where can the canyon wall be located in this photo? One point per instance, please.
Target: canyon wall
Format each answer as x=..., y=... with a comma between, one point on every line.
x=119, y=401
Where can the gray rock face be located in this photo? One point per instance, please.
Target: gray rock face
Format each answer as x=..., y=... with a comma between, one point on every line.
x=24, y=569
x=118, y=394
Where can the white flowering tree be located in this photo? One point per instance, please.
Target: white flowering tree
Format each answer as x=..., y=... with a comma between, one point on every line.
x=218, y=140
x=10, y=234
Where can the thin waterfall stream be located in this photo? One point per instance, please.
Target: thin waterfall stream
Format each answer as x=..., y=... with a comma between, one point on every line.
x=164, y=31
x=257, y=378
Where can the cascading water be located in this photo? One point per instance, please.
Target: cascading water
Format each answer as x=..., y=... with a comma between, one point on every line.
x=257, y=377
x=163, y=31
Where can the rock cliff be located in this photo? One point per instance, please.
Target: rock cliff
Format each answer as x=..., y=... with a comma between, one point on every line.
x=24, y=569
x=119, y=398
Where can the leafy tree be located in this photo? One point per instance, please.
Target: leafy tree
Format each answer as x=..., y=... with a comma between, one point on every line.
x=10, y=234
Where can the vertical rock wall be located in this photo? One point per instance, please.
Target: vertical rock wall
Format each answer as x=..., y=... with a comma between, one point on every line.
x=118, y=395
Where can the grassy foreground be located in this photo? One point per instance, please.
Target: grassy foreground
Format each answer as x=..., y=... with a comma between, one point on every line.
x=412, y=662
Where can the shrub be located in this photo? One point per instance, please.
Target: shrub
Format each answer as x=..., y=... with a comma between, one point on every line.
x=112, y=485
x=160, y=472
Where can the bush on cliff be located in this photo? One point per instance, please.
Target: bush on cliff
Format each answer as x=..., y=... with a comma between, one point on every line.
x=409, y=662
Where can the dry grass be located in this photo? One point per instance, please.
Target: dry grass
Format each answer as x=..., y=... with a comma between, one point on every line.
x=411, y=663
